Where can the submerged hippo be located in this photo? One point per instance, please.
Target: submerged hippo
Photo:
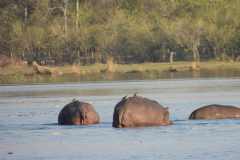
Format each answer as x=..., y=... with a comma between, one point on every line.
x=78, y=113
x=138, y=111
x=216, y=111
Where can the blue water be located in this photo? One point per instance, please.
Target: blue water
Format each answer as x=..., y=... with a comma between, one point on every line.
x=28, y=117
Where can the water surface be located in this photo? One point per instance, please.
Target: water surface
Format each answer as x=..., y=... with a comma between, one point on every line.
x=28, y=117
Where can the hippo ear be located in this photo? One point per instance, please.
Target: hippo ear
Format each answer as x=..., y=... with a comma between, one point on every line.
x=135, y=94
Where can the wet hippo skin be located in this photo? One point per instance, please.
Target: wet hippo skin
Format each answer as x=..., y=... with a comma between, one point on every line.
x=216, y=111
x=138, y=111
x=78, y=113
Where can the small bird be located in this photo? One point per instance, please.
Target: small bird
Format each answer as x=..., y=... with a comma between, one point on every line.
x=135, y=94
x=74, y=100
x=125, y=97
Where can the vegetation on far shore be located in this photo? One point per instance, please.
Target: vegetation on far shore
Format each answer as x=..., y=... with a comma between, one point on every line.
x=86, y=32
x=64, y=38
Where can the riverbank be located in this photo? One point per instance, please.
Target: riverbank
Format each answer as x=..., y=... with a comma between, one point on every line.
x=24, y=73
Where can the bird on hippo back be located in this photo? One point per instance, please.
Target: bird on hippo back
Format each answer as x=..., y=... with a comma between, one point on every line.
x=216, y=111
x=137, y=111
x=78, y=113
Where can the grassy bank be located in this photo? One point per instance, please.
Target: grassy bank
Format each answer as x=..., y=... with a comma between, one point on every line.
x=146, y=67
x=28, y=70
x=27, y=73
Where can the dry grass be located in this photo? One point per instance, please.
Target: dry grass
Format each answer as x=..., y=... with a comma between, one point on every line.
x=16, y=69
x=120, y=68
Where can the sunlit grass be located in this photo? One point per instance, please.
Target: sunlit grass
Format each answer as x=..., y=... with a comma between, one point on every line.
x=121, y=68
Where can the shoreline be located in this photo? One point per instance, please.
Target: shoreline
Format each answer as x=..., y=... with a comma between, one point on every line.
x=25, y=74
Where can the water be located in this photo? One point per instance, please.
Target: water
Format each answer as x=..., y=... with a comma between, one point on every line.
x=28, y=117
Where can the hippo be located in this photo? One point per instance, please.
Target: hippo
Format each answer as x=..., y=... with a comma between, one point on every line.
x=137, y=111
x=216, y=111
x=78, y=113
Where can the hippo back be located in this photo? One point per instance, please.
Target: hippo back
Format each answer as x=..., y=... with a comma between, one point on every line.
x=138, y=111
x=216, y=111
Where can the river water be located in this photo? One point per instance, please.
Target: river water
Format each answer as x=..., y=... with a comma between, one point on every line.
x=28, y=117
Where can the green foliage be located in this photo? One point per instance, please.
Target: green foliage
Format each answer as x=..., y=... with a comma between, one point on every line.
x=131, y=31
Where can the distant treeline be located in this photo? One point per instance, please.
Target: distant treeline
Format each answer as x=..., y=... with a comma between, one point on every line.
x=130, y=31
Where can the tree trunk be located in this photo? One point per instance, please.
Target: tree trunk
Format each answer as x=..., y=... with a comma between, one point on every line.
x=25, y=15
x=65, y=17
x=77, y=15
x=215, y=52
x=196, y=58
x=171, y=57
x=196, y=55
